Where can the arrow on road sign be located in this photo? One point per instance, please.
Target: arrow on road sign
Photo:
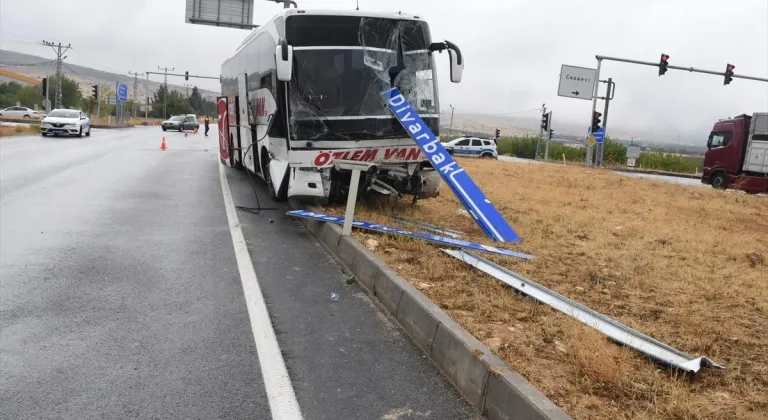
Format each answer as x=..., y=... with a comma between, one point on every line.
x=575, y=93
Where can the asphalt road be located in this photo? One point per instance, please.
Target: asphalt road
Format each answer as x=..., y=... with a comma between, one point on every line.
x=121, y=295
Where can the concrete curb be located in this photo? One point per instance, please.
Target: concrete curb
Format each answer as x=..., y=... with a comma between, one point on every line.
x=496, y=390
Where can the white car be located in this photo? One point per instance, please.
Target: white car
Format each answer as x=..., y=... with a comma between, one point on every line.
x=472, y=147
x=66, y=122
x=21, y=113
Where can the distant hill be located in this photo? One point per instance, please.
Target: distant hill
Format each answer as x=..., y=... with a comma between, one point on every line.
x=39, y=67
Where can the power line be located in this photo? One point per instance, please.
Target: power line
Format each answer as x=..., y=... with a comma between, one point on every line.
x=44, y=63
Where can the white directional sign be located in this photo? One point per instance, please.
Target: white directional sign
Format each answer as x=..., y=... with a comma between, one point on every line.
x=576, y=82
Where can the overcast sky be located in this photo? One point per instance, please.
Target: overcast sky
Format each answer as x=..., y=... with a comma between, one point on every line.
x=513, y=50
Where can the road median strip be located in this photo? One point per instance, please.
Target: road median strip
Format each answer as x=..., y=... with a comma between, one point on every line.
x=483, y=379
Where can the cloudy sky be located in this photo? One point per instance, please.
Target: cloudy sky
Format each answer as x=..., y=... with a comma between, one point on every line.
x=513, y=50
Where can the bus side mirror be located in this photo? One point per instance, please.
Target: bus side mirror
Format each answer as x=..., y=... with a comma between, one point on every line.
x=454, y=55
x=284, y=60
x=457, y=62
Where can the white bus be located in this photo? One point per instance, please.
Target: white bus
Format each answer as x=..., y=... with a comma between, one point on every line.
x=301, y=94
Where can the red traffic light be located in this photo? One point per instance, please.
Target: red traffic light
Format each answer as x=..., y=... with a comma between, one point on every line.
x=664, y=57
x=730, y=67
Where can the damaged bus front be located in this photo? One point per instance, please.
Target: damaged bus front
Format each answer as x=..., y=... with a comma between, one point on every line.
x=315, y=105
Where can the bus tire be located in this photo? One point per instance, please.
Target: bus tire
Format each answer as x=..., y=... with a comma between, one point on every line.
x=719, y=180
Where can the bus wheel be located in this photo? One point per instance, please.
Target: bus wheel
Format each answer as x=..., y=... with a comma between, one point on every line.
x=720, y=181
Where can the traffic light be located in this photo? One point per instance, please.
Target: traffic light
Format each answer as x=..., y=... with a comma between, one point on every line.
x=545, y=121
x=551, y=131
x=663, y=63
x=186, y=75
x=596, y=122
x=498, y=133
x=728, y=74
x=95, y=91
x=45, y=85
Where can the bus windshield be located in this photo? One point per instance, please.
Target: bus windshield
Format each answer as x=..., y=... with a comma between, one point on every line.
x=343, y=63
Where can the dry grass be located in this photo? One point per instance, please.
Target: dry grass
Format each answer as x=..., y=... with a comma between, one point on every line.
x=6, y=130
x=686, y=265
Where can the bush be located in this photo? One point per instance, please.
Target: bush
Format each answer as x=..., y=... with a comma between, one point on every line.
x=670, y=162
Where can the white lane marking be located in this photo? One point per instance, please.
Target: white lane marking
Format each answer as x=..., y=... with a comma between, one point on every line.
x=282, y=398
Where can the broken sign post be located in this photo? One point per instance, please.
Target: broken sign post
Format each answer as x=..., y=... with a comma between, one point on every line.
x=470, y=195
x=441, y=240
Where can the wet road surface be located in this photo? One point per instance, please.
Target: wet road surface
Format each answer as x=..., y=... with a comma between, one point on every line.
x=121, y=295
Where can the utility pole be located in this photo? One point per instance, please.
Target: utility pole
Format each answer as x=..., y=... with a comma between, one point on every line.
x=452, y=109
x=135, y=90
x=59, y=50
x=165, y=96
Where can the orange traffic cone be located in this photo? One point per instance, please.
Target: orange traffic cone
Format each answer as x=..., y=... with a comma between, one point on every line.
x=195, y=131
x=162, y=145
x=185, y=133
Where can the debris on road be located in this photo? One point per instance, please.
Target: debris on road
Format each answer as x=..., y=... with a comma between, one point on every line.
x=335, y=297
x=371, y=244
x=610, y=327
x=441, y=240
x=455, y=234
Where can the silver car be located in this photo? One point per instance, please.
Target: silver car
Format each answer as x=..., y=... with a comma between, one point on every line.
x=21, y=113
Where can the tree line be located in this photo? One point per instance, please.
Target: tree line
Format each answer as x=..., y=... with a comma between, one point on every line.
x=72, y=97
x=615, y=154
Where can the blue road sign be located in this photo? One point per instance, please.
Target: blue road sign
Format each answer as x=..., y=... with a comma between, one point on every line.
x=599, y=135
x=440, y=240
x=122, y=92
x=470, y=195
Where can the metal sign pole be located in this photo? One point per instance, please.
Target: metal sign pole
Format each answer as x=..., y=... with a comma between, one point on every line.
x=592, y=114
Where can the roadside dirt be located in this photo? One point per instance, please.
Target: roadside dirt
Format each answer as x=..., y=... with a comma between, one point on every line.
x=685, y=265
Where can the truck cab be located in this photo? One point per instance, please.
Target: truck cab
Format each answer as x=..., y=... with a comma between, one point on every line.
x=737, y=154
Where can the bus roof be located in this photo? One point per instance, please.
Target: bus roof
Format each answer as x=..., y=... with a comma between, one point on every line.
x=325, y=12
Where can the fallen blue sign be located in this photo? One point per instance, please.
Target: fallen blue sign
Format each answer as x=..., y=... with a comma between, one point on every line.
x=485, y=214
x=395, y=231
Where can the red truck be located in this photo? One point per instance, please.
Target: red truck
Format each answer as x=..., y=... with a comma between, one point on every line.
x=737, y=155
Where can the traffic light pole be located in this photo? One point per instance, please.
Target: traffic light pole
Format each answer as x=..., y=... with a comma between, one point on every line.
x=590, y=151
x=47, y=101
x=146, y=99
x=689, y=69
x=541, y=133
x=98, y=105
x=549, y=137
x=609, y=92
